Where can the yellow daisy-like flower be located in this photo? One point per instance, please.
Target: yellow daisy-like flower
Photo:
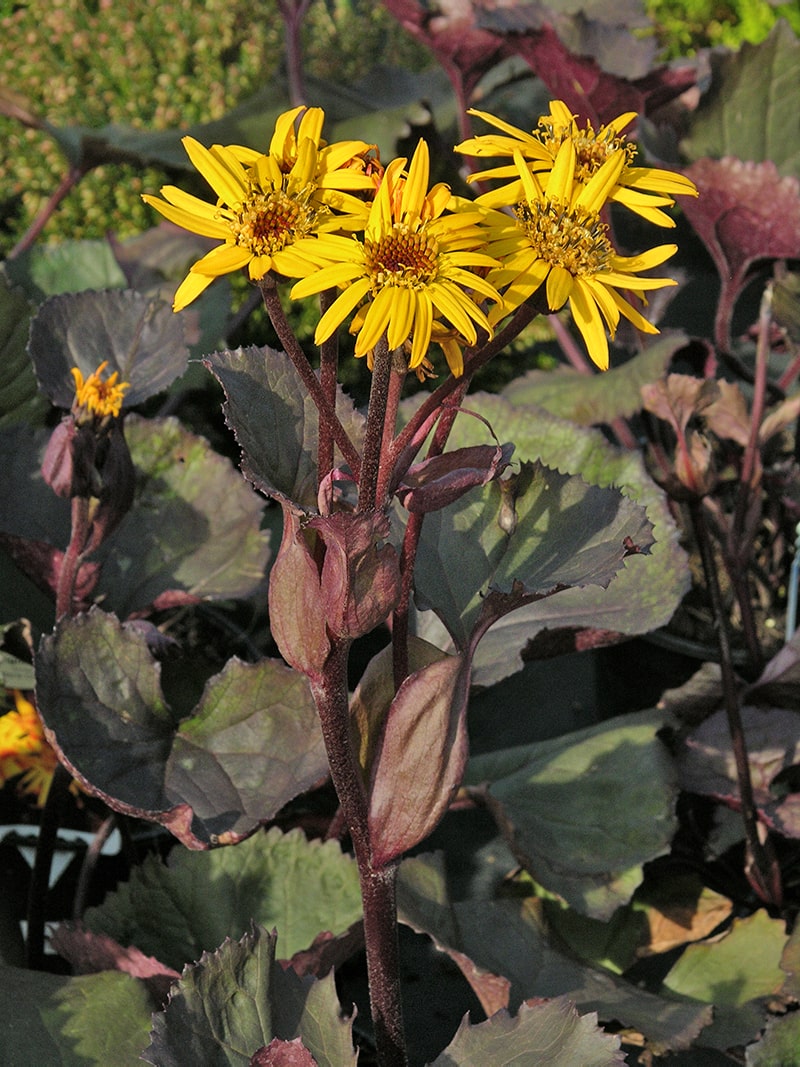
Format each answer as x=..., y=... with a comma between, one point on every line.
x=96, y=396
x=267, y=202
x=645, y=190
x=557, y=238
x=414, y=267
x=24, y=750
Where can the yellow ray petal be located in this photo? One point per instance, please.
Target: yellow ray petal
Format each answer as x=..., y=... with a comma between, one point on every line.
x=228, y=189
x=559, y=287
x=375, y=322
x=588, y=320
x=422, y=329
x=284, y=131
x=196, y=224
x=340, y=309
x=222, y=260
x=404, y=306
x=190, y=288
x=416, y=185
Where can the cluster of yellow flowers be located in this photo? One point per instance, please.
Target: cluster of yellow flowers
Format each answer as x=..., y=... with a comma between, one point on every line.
x=24, y=750
x=416, y=263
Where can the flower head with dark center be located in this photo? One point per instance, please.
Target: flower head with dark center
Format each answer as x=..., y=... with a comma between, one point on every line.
x=557, y=238
x=422, y=261
x=267, y=202
x=645, y=190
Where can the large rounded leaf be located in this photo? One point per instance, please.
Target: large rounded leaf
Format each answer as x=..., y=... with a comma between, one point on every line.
x=585, y=811
x=251, y=745
x=138, y=336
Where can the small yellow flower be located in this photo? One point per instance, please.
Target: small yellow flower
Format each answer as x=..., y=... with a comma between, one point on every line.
x=645, y=190
x=415, y=267
x=557, y=239
x=24, y=750
x=96, y=396
x=266, y=202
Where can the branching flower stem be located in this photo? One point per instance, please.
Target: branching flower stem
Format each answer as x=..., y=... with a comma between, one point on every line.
x=294, y=351
x=374, y=433
x=409, y=440
x=328, y=378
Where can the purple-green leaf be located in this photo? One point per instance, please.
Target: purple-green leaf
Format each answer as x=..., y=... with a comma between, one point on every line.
x=138, y=336
x=251, y=745
x=275, y=421
x=643, y=595
x=551, y=1034
x=584, y=812
x=519, y=541
x=193, y=531
x=177, y=910
x=236, y=1000
x=507, y=937
x=420, y=757
x=589, y=399
x=75, y=1022
x=749, y=110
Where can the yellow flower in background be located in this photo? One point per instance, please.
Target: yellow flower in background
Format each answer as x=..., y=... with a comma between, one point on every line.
x=414, y=268
x=96, y=396
x=267, y=202
x=645, y=190
x=556, y=238
x=24, y=750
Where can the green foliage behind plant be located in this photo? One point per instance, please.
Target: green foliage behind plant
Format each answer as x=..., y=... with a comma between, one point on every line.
x=155, y=67
x=684, y=26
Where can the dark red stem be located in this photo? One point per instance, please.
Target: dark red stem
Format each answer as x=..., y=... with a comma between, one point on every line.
x=378, y=884
x=291, y=346
x=763, y=872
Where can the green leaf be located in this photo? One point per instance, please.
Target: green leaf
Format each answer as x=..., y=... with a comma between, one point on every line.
x=252, y=744
x=508, y=937
x=737, y=974
x=275, y=420
x=19, y=399
x=645, y=592
x=588, y=399
x=509, y=543
x=234, y=1002
x=67, y=267
x=90, y=1021
x=575, y=814
x=138, y=336
x=750, y=111
x=550, y=1035
x=778, y=1047
x=194, y=527
x=178, y=910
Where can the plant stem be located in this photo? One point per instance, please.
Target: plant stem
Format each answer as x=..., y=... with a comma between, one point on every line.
x=374, y=433
x=52, y=815
x=70, y=564
x=328, y=377
x=327, y=413
x=764, y=874
x=378, y=884
x=747, y=512
x=409, y=440
x=67, y=183
x=293, y=12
